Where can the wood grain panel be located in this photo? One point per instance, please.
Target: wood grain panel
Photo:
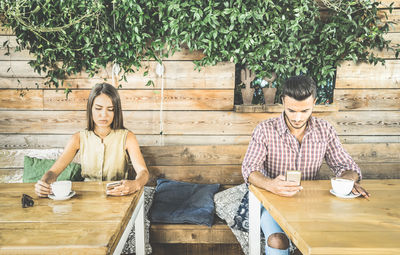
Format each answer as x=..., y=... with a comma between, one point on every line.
x=16, y=99
x=46, y=141
x=388, y=54
x=193, y=155
x=369, y=170
x=178, y=75
x=20, y=69
x=147, y=100
x=230, y=174
x=184, y=233
x=367, y=99
x=223, y=174
x=363, y=75
x=68, y=122
x=392, y=17
x=192, y=122
x=23, y=141
x=11, y=175
x=210, y=155
x=11, y=234
x=24, y=83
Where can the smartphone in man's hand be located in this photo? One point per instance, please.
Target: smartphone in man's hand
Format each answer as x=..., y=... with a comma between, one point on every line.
x=293, y=176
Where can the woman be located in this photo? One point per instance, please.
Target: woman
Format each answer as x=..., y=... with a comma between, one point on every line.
x=103, y=146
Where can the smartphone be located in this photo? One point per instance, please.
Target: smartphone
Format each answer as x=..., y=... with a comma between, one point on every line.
x=112, y=185
x=293, y=176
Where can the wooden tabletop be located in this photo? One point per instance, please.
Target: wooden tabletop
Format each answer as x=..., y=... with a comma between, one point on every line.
x=90, y=222
x=320, y=223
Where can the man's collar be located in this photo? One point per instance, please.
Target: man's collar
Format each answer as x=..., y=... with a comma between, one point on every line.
x=282, y=127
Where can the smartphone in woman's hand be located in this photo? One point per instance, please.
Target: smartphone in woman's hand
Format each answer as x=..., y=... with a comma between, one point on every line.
x=112, y=185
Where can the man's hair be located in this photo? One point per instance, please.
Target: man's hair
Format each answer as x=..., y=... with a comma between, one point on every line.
x=299, y=87
x=109, y=90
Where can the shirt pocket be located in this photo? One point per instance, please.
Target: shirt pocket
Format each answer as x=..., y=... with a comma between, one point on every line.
x=317, y=152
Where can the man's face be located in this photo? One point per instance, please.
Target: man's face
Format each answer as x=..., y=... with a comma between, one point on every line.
x=298, y=112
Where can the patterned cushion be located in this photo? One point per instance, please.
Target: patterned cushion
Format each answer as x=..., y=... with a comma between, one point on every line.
x=130, y=246
x=241, y=219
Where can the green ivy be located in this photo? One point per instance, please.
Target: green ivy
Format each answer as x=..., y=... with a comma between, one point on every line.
x=288, y=37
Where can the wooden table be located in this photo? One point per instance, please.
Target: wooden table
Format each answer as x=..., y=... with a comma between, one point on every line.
x=320, y=223
x=88, y=223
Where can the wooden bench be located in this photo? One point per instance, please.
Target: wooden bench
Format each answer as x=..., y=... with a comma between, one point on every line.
x=216, y=164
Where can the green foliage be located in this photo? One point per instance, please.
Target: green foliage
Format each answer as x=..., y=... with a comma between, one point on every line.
x=288, y=37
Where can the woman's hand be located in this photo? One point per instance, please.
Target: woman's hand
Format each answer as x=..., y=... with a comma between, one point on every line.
x=42, y=189
x=126, y=187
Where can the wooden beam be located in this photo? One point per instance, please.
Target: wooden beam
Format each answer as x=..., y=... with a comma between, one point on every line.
x=177, y=75
x=192, y=122
x=216, y=158
x=367, y=99
x=131, y=99
x=364, y=75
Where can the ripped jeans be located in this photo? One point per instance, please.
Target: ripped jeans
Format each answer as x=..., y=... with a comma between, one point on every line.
x=269, y=226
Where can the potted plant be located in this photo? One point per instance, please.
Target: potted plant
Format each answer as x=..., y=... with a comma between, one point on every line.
x=269, y=90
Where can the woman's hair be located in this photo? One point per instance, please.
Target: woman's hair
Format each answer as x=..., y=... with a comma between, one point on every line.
x=299, y=87
x=109, y=90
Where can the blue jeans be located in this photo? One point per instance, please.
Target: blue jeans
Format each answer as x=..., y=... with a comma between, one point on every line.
x=269, y=226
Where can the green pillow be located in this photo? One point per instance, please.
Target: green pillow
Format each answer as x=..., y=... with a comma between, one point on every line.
x=34, y=168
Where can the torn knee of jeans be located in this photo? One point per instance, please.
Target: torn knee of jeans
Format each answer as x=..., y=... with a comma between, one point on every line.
x=278, y=241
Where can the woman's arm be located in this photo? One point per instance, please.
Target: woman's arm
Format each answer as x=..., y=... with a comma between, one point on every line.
x=42, y=187
x=142, y=174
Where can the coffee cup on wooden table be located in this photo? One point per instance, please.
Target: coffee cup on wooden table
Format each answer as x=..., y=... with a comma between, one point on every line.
x=342, y=186
x=61, y=188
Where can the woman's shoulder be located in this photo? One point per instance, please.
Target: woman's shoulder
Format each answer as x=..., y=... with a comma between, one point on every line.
x=75, y=139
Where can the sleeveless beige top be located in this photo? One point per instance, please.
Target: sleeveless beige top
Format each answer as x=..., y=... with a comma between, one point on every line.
x=103, y=160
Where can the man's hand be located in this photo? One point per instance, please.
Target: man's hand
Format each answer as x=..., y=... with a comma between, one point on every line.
x=284, y=188
x=357, y=189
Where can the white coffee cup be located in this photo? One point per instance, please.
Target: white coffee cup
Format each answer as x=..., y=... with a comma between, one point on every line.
x=342, y=186
x=61, y=188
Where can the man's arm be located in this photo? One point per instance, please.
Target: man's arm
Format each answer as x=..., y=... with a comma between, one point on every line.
x=338, y=160
x=343, y=165
x=277, y=186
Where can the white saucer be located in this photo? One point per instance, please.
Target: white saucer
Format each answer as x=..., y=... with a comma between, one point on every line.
x=351, y=195
x=71, y=194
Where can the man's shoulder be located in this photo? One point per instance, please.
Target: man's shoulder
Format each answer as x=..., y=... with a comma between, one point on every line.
x=323, y=128
x=321, y=123
x=268, y=123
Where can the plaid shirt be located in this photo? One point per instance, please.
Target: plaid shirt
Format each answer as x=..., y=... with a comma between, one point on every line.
x=273, y=150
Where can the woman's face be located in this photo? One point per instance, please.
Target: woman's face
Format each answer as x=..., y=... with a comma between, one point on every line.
x=103, y=111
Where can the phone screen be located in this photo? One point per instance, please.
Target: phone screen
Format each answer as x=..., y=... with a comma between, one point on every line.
x=293, y=176
x=111, y=185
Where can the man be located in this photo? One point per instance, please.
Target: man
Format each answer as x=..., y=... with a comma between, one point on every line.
x=294, y=141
